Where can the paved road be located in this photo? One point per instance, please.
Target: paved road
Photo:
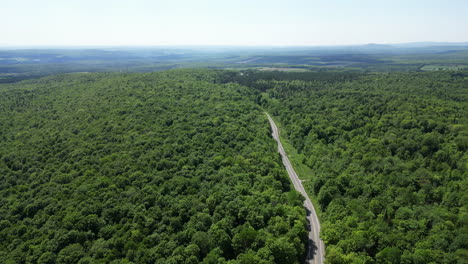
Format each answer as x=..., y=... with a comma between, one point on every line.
x=316, y=248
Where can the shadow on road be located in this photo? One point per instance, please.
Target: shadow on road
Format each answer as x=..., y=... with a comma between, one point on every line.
x=311, y=246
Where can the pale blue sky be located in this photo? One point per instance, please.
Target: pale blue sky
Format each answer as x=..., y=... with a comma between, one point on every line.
x=239, y=22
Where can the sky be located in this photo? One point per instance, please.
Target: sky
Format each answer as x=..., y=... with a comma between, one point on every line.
x=234, y=22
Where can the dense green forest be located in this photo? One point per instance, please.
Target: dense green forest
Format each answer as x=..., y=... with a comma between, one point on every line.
x=170, y=167
x=389, y=159
x=180, y=167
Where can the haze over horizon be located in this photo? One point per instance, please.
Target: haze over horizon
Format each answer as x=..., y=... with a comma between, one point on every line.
x=239, y=23
x=417, y=44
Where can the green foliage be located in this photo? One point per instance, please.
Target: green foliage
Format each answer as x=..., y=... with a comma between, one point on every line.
x=388, y=155
x=180, y=167
x=171, y=167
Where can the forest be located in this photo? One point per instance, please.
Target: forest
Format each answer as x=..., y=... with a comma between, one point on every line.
x=179, y=167
x=389, y=159
x=170, y=167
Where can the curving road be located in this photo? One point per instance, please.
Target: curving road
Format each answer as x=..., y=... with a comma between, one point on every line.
x=316, y=248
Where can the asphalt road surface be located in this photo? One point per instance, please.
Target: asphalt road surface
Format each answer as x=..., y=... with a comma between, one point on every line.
x=316, y=248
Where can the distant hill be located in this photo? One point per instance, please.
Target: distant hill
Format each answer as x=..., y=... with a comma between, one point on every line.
x=430, y=44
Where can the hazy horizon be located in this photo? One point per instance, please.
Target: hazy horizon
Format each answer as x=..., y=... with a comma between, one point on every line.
x=201, y=46
x=242, y=23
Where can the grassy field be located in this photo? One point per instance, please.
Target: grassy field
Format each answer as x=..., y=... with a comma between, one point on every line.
x=282, y=69
x=444, y=67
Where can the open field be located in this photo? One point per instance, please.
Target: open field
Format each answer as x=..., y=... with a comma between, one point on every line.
x=444, y=67
x=282, y=69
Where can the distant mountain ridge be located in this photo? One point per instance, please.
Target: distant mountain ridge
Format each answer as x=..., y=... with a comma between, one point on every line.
x=429, y=44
